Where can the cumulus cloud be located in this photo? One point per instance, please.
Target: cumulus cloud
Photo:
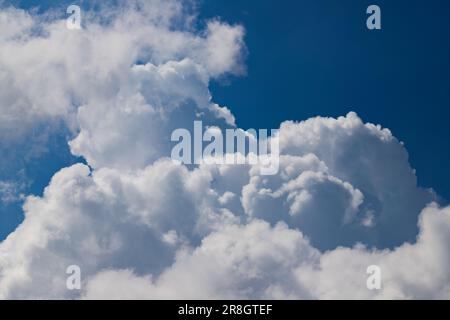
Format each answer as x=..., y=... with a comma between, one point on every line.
x=237, y=262
x=257, y=261
x=141, y=226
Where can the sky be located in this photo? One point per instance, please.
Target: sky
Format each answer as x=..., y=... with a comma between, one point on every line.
x=270, y=64
x=330, y=64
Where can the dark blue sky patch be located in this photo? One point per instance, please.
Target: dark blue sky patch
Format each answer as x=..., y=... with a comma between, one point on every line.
x=316, y=57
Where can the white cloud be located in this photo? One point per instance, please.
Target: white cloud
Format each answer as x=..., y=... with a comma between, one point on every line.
x=10, y=192
x=49, y=71
x=14, y=23
x=411, y=271
x=140, y=226
x=254, y=260
x=374, y=162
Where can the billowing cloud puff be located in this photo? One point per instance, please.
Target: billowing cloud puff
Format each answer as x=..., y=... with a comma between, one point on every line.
x=257, y=261
x=141, y=226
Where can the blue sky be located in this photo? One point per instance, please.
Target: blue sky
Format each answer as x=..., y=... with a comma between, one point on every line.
x=139, y=225
x=316, y=57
